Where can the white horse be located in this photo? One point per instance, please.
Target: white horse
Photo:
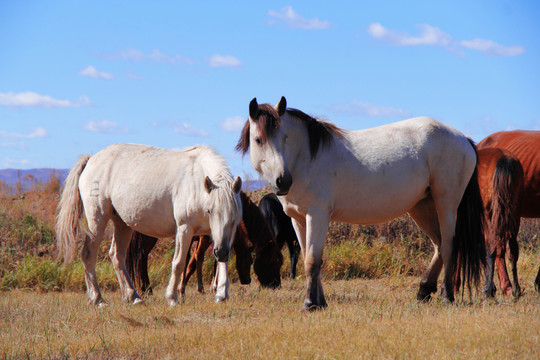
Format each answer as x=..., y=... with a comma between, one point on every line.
x=322, y=173
x=157, y=192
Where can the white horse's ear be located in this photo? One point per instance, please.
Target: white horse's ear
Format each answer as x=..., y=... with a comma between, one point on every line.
x=281, y=106
x=237, y=185
x=253, y=109
x=208, y=185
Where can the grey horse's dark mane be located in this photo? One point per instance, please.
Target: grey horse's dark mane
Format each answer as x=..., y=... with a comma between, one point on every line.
x=320, y=133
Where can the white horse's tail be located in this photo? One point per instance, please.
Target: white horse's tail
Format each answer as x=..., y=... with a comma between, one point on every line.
x=70, y=212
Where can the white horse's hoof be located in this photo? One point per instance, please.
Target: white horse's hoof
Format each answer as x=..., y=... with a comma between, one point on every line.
x=172, y=303
x=220, y=299
x=138, y=301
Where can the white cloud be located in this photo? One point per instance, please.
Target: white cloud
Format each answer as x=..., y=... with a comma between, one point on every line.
x=295, y=20
x=131, y=54
x=357, y=108
x=431, y=35
x=233, y=124
x=217, y=60
x=29, y=99
x=92, y=72
x=491, y=48
x=189, y=130
x=36, y=133
x=105, y=127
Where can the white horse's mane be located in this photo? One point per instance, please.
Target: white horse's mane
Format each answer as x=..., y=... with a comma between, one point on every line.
x=215, y=167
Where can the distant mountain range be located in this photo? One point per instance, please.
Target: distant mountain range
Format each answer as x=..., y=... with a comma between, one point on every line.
x=27, y=177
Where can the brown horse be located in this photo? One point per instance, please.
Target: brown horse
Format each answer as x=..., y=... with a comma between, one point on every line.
x=500, y=177
x=253, y=233
x=525, y=146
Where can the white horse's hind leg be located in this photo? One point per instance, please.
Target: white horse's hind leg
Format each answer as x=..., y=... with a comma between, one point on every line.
x=425, y=216
x=184, y=233
x=96, y=228
x=117, y=254
x=447, y=211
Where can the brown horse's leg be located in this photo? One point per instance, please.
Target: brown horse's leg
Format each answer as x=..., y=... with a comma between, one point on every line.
x=506, y=285
x=513, y=255
x=489, y=287
x=204, y=244
x=186, y=274
x=537, y=281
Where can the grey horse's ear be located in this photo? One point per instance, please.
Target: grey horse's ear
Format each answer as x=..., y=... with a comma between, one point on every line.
x=237, y=185
x=281, y=106
x=208, y=185
x=253, y=109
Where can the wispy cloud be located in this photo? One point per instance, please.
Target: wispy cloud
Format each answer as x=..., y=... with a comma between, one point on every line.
x=155, y=55
x=233, y=124
x=105, y=127
x=491, y=48
x=357, y=108
x=429, y=35
x=92, y=72
x=189, y=130
x=35, y=133
x=32, y=99
x=294, y=20
x=433, y=36
x=217, y=60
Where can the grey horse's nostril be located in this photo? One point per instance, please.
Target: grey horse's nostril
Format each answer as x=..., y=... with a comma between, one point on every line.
x=284, y=183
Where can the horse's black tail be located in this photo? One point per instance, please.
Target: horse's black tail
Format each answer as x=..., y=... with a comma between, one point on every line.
x=503, y=204
x=469, y=247
x=137, y=260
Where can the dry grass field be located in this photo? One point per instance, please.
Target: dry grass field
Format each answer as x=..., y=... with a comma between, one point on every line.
x=377, y=318
x=371, y=275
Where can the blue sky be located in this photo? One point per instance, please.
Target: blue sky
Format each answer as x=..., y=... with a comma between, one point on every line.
x=76, y=76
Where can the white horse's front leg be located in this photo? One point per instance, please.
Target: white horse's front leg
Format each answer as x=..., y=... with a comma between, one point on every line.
x=317, y=221
x=300, y=230
x=184, y=234
x=222, y=275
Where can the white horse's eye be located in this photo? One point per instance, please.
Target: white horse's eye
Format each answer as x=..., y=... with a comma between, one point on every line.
x=258, y=141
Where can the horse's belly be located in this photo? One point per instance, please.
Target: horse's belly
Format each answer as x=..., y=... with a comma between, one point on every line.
x=370, y=214
x=148, y=216
x=371, y=204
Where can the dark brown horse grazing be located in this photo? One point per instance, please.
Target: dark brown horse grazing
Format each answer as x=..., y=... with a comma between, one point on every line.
x=525, y=146
x=282, y=227
x=141, y=245
x=500, y=177
x=253, y=233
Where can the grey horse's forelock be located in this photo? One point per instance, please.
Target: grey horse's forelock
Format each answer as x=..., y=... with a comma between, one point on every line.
x=225, y=199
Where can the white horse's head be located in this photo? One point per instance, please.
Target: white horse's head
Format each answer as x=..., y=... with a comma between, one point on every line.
x=267, y=141
x=224, y=209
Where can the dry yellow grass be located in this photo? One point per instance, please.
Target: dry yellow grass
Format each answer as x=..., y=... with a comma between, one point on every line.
x=377, y=318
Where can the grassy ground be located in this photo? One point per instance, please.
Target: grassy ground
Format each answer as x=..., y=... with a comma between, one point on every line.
x=377, y=318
